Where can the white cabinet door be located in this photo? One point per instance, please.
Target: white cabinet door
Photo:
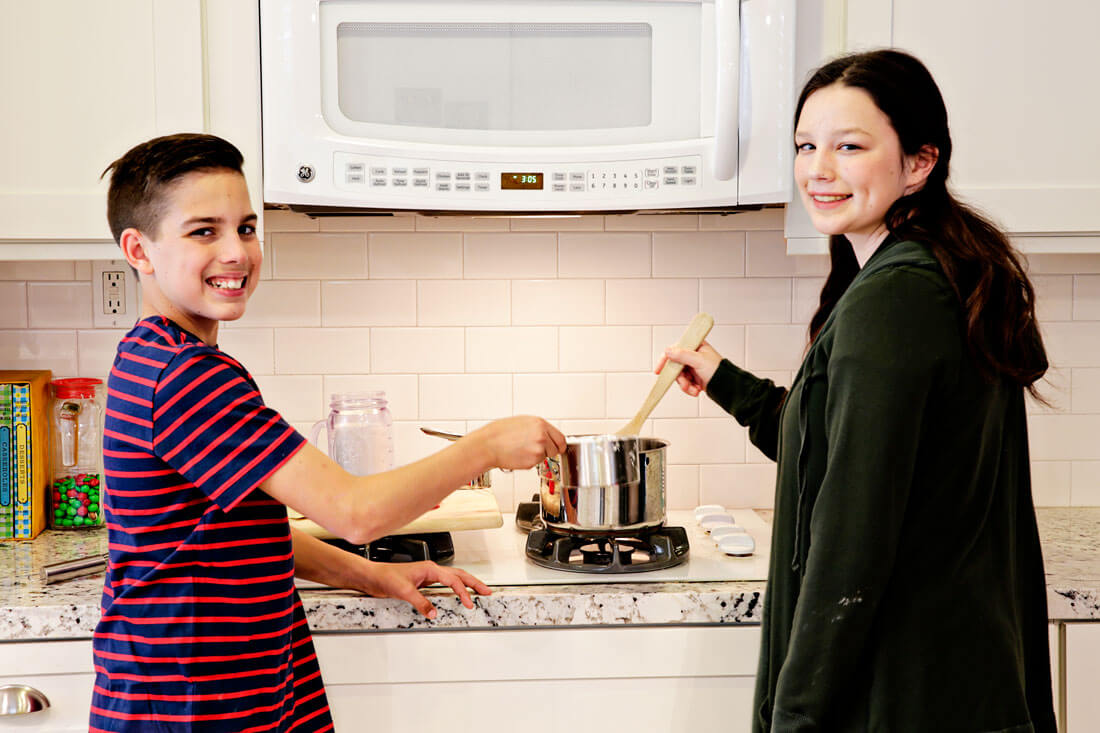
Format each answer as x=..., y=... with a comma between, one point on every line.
x=665, y=679
x=62, y=671
x=83, y=81
x=1082, y=670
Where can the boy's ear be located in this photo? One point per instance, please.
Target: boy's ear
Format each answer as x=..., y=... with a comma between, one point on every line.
x=132, y=243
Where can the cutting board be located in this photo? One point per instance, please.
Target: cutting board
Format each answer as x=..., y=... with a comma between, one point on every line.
x=462, y=509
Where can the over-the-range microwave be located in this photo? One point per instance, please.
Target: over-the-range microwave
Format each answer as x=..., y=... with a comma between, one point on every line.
x=526, y=106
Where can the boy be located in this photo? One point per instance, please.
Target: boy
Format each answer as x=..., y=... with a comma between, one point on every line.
x=202, y=627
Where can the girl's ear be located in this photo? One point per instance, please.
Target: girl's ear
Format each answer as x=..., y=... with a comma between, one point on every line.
x=132, y=244
x=919, y=166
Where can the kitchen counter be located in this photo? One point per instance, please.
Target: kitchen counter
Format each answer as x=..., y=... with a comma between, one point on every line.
x=30, y=610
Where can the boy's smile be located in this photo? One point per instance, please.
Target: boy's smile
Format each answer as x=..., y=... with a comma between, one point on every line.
x=203, y=263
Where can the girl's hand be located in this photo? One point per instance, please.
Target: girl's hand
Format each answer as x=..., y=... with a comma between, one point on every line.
x=403, y=581
x=699, y=366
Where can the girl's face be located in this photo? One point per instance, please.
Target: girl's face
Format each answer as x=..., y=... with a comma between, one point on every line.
x=849, y=166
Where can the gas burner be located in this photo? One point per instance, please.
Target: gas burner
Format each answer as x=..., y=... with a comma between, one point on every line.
x=637, y=552
x=528, y=516
x=435, y=546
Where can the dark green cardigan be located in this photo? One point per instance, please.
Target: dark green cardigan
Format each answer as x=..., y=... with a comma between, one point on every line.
x=906, y=588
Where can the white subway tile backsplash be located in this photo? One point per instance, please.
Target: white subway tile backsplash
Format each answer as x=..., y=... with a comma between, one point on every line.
x=747, y=300
x=1062, y=437
x=1051, y=483
x=743, y=221
x=512, y=349
x=281, y=220
x=627, y=392
x=1073, y=344
x=53, y=350
x=604, y=348
x=322, y=350
x=1085, y=389
x=510, y=255
x=1064, y=264
x=297, y=398
x=558, y=302
x=287, y=303
x=702, y=440
x=682, y=487
x=465, y=396
x=402, y=390
x=38, y=270
x=774, y=347
x=59, y=305
x=568, y=223
x=96, y=352
x=650, y=222
x=396, y=223
x=1086, y=298
x=463, y=302
x=312, y=256
x=411, y=444
x=1085, y=483
x=738, y=486
x=1053, y=297
x=403, y=256
x=461, y=224
x=599, y=254
x=766, y=256
x=807, y=296
x=254, y=348
x=368, y=303
x=660, y=301
x=13, y=305
x=417, y=350
x=699, y=254
x=559, y=396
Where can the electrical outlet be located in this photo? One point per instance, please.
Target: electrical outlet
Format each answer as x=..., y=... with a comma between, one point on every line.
x=114, y=294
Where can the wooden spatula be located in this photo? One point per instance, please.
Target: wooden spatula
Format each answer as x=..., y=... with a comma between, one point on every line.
x=696, y=331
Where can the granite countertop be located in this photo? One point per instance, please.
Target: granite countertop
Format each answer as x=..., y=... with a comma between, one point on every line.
x=30, y=610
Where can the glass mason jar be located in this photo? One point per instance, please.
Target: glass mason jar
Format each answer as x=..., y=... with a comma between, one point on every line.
x=360, y=432
x=77, y=426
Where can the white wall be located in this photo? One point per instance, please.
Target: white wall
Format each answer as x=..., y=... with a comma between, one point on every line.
x=462, y=320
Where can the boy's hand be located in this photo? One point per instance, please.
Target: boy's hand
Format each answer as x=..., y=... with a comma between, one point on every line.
x=699, y=366
x=403, y=581
x=519, y=442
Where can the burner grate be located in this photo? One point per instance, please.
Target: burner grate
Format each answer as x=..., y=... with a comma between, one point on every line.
x=652, y=549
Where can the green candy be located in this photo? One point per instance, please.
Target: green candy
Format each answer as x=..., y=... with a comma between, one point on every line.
x=93, y=507
x=66, y=522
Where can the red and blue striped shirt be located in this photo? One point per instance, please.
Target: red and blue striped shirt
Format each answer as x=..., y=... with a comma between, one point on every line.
x=202, y=628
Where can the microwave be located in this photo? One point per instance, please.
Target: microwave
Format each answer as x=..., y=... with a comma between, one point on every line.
x=526, y=106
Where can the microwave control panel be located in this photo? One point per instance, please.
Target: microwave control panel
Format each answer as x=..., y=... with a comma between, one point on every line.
x=384, y=178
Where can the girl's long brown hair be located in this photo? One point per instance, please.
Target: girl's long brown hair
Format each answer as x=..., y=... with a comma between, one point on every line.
x=980, y=264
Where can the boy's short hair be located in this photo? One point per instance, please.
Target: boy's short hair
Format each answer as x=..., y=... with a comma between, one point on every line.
x=141, y=178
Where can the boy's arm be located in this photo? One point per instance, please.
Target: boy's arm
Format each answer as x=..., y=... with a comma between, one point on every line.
x=316, y=560
x=364, y=508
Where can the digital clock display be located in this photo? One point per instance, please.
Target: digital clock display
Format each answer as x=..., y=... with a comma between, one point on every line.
x=521, y=181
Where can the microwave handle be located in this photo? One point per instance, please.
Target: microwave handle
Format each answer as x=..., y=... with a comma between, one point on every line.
x=727, y=16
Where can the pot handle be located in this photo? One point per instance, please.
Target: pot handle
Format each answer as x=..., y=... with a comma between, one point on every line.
x=452, y=437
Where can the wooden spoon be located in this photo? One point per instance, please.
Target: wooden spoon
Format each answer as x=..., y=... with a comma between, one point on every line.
x=696, y=331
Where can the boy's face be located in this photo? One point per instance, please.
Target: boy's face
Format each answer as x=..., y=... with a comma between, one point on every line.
x=204, y=261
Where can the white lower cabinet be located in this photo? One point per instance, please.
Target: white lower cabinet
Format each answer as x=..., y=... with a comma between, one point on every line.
x=543, y=680
x=62, y=671
x=1082, y=669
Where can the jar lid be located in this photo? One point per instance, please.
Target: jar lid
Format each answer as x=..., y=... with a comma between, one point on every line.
x=78, y=387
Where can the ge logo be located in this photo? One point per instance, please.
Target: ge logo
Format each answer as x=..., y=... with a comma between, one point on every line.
x=305, y=173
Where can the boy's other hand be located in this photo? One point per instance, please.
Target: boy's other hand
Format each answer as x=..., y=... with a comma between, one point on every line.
x=403, y=581
x=519, y=442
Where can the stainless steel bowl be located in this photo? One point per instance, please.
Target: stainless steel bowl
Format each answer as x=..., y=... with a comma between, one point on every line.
x=21, y=699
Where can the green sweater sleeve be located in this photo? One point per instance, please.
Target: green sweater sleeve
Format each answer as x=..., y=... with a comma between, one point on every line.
x=753, y=402
x=895, y=337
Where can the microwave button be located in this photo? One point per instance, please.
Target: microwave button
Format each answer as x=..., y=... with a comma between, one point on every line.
x=377, y=171
x=670, y=180
x=462, y=186
x=442, y=187
x=443, y=176
x=379, y=181
x=652, y=172
x=355, y=178
x=559, y=186
x=576, y=186
x=687, y=170
x=482, y=186
x=400, y=171
x=651, y=183
x=558, y=176
x=420, y=183
x=356, y=168
x=671, y=170
x=482, y=176
x=420, y=171
x=462, y=176
x=576, y=176
x=689, y=180
x=401, y=182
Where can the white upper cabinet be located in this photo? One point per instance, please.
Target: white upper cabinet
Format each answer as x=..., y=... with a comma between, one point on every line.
x=1019, y=82
x=85, y=80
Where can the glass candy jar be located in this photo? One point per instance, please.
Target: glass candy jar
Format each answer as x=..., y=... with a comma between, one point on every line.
x=77, y=426
x=360, y=432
